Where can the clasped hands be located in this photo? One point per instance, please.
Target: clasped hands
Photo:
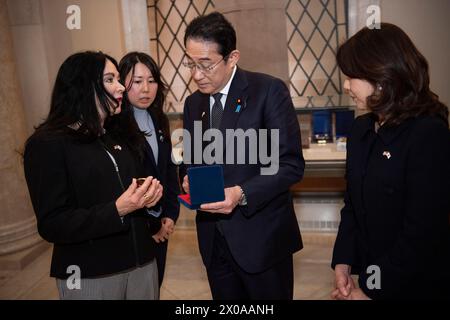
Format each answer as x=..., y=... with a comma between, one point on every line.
x=167, y=227
x=137, y=197
x=345, y=286
x=232, y=197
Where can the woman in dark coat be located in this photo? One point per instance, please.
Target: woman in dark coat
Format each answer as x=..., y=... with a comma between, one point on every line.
x=144, y=99
x=394, y=231
x=81, y=168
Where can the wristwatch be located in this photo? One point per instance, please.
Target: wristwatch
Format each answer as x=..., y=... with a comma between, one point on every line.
x=243, y=198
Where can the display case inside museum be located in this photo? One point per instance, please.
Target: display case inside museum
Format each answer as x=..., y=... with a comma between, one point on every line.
x=325, y=123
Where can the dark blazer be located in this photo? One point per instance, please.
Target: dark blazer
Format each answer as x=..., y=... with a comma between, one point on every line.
x=73, y=188
x=165, y=172
x=265, y=231
x=396, y=213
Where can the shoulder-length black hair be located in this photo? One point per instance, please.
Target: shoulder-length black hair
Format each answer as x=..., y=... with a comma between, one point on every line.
x=126, y=65
x=78, y=84
x=388, y=59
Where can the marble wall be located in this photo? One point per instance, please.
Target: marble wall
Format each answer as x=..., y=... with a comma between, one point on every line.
x=261, y=34
x=17, y=222
x=427, y=23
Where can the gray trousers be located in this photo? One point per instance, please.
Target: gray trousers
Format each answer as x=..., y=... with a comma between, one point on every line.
x=140, y=283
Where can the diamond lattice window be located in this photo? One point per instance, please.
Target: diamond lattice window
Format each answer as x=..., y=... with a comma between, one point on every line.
x=167, y=21
x=315, y=28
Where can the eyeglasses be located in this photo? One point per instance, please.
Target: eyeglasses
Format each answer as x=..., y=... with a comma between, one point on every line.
x=203, y=69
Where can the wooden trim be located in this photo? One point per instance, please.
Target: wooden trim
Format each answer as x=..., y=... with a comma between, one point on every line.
x=320, y=184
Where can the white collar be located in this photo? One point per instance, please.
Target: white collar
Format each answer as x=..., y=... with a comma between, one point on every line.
x=226, y=89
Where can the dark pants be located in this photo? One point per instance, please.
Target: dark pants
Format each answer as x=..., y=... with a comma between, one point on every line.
x=228, y=281
x=161, y=255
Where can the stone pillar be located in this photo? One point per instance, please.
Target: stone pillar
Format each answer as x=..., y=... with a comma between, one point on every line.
x=261, y=34
x=135, y=25
x=357, y=14
x=30, y=58
x=17, y=220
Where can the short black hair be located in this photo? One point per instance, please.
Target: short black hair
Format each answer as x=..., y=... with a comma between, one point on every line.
x=214, y=28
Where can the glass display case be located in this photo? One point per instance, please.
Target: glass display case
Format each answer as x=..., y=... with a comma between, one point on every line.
x=325, y=123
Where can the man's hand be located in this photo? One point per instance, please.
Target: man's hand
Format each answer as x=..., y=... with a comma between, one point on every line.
x=232, y=197
x=185, y=184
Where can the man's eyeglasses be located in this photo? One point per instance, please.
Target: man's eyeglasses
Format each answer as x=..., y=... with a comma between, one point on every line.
x=191, y=65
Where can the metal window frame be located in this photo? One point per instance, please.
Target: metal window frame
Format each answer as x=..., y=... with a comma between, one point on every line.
x=331, y=42
x=159, y=47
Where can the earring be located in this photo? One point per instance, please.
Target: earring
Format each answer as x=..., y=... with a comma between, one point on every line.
x=379, y=87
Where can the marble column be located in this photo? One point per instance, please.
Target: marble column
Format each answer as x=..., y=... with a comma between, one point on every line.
x=17, y=220
x=261, y=34
x=358, y=15
x=135, y=25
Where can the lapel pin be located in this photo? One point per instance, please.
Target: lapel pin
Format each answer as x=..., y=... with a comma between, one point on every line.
x=203, y=114
x=238, y=107
x=117, y=147
x=387, y=154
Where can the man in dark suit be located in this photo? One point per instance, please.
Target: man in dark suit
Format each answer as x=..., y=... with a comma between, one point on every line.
x=247, y=240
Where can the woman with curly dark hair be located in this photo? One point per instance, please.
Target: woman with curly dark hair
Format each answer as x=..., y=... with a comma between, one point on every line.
x=394, y=231
x=81, y=168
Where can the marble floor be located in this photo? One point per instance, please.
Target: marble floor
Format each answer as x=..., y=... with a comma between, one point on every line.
x=185, y=277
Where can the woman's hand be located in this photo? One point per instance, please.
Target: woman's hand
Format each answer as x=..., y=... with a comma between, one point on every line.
x=153, y=194
x=356, y=294
x=134, y=198
x=343, y=282
x=167, y=226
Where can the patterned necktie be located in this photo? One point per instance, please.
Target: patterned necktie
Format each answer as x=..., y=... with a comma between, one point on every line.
x=217, y=111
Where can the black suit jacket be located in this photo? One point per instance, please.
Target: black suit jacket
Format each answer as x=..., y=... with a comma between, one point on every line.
x=396, y=213
x=73, y=188
x=265, y=231
x=165, y=172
